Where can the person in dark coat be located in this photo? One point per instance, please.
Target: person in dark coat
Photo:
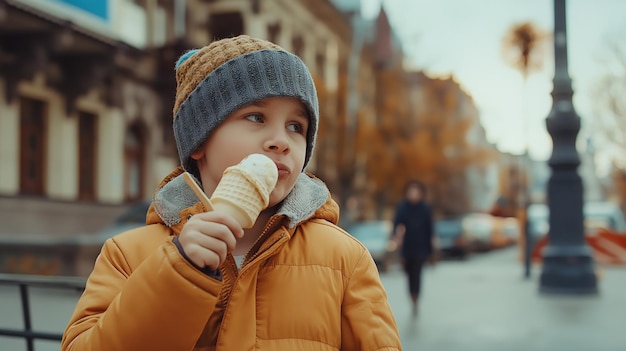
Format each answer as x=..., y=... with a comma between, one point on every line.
x=413, y=230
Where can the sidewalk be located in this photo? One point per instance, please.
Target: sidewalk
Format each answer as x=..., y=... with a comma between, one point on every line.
x=486, y=304
x=483, y=304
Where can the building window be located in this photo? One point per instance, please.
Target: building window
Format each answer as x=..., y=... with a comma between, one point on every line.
x=298, y=46
x=226, y=25
x=33, y=139
x=273, y=32
x=134, y=158
x=320, y=62
x=87, y=155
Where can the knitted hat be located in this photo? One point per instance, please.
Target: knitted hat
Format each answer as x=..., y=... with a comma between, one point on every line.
x=216, y=80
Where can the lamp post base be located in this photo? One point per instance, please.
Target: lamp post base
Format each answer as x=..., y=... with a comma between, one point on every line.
x=568, y=270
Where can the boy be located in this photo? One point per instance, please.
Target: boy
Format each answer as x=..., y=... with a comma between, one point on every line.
x=196, y=280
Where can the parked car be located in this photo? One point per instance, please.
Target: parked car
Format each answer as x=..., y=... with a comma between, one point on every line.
x=450, y=239
x=507, y=232
x=478, y=228
x=597, y=215
x=486, y=232
x=604, y=215
x=375, y=235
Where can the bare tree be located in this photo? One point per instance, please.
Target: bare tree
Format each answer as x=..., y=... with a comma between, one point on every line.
x=609, y=102
x=610, y=112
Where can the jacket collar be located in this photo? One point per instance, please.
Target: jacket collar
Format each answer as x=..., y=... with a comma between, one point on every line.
x=174, y=201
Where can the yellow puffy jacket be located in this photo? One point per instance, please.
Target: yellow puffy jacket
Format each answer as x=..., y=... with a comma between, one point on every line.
x=308, y=286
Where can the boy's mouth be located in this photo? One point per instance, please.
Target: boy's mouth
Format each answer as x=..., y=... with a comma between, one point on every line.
x=283, y=171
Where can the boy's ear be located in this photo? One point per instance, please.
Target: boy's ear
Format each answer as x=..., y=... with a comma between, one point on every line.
x=198, y=154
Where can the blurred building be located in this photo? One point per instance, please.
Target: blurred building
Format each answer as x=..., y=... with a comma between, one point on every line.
x=83, y=100
x=466, y=176
x=538, y=173
x=87, y=88
x=588, y=170
x=482, y=175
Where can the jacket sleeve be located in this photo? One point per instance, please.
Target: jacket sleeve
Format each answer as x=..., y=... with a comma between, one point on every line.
x=163, y=304
x=399, y=217
x=430, y=229
x=367, y=319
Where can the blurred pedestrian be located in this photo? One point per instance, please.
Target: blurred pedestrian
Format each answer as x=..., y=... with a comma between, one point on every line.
x=196, y=279
x=413, y=231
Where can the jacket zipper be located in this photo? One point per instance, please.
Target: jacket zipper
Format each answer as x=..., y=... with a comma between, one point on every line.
x=257, y=244
x=232, y=270
x=232, y=265
x=269, y=226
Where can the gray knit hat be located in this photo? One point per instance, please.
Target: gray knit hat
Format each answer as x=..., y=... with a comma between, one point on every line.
x=216, y=80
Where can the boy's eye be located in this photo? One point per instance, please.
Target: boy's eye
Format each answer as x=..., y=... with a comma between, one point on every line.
x=255, y=118
x=296, y=127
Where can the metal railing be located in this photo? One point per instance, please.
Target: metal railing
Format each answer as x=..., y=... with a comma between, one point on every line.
x=24, y=282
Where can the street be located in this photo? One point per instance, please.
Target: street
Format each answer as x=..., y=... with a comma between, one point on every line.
x=483, y=303
x=486, y=304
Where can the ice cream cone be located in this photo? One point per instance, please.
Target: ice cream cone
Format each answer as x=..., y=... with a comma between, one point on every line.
x=240, y=195
x=244, y=190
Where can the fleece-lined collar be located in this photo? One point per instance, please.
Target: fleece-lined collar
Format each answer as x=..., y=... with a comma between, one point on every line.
x=174, y=198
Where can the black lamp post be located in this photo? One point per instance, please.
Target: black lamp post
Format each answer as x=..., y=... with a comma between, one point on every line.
x=568, y=266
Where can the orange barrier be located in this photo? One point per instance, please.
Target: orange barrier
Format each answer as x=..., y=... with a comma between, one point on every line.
x=609, y=248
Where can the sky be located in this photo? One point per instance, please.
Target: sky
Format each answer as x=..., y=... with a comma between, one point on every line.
x=463, y=38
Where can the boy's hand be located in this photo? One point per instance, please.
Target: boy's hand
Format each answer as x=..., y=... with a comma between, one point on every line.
x=207, y=237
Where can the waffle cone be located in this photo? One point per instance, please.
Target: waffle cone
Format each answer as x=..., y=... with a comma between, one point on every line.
x=241, y=195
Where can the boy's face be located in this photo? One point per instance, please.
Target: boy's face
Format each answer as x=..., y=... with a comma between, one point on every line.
x=276, y=127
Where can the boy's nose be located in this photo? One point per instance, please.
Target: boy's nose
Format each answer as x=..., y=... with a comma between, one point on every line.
x=277, y=142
